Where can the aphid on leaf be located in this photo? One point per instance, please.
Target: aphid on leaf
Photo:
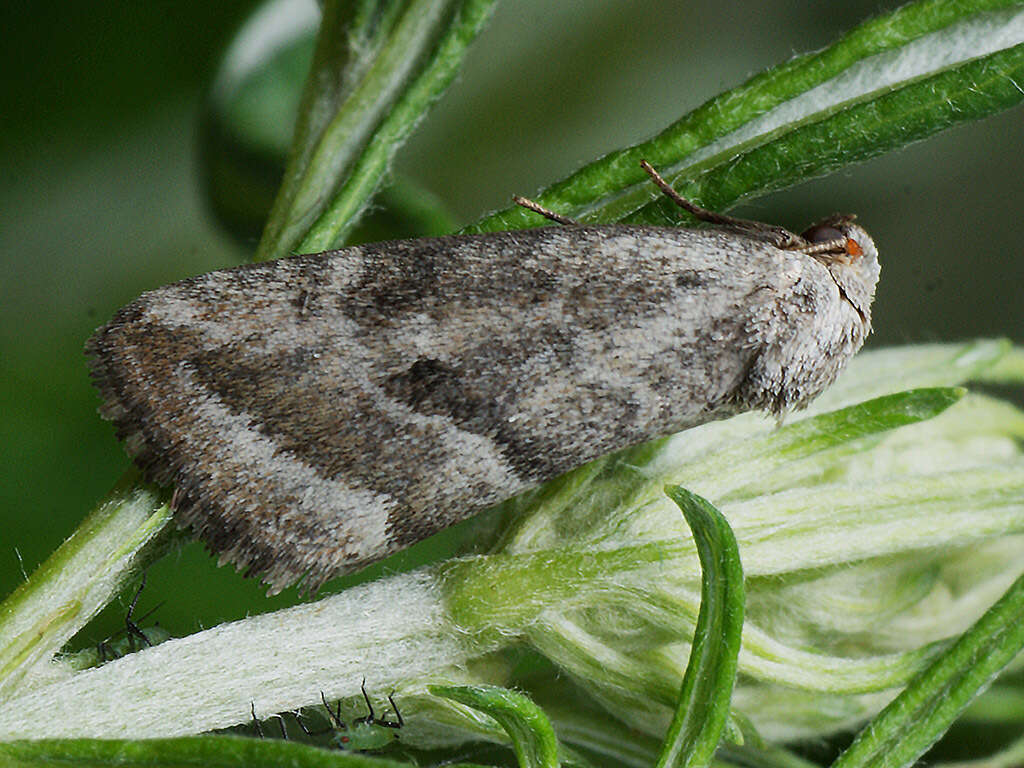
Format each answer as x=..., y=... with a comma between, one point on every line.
x=365, y=734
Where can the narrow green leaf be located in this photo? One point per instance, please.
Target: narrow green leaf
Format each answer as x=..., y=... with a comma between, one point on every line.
x=349, y=201
x=613, y=187
x=212, y=751
x=755, y=458
x=880, y=414
x=880, y=123
x=78, y=580
x=347, y=45
x=918, y=717
x=527, y=726
x=362, y=101
x=703, y=707
x=877, y=372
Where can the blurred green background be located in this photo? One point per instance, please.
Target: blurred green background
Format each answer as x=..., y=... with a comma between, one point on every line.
x=100, y=199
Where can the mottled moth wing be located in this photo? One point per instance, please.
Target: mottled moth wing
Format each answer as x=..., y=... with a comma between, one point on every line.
x=320, y=412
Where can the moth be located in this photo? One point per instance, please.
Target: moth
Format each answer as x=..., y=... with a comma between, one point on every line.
x=320, y=412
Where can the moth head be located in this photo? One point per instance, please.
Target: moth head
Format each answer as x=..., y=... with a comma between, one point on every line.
x=850, y=256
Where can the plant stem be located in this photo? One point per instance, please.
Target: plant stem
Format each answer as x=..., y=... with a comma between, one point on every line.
x=77, y=580
x=388, y=631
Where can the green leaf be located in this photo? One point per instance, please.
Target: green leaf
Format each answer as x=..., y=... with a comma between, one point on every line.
x=213, y=751
x=374, y=75
x=247, y=126
x=918, y=717
x=710, y=158
x=78, y=580
x=703, y=707
x=877, y=372
x=752, y=459
x=527, y=726
x=883, y=121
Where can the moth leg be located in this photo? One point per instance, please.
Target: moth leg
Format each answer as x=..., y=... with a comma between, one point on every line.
x=780, y=237
x=547, y=214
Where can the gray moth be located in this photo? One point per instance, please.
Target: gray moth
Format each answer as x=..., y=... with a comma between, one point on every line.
x=320, y=412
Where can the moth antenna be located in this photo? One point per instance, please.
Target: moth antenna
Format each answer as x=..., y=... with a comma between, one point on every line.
x=835, y=248
x=778, y=236
x=711, y=217
x=545, y=212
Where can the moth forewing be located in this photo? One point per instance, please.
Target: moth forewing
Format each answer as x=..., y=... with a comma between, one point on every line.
x=320, y=412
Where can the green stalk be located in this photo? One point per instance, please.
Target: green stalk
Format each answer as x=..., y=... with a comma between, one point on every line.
x=363, y=100
x=77, y=581
x=362, y=182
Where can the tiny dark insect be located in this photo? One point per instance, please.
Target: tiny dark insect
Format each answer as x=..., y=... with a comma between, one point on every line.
x=318, y=413
x=134, y=637
x=364, y=734
x=130, y=638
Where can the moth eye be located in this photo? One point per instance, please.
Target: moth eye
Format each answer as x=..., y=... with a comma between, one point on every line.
x=822, y=234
